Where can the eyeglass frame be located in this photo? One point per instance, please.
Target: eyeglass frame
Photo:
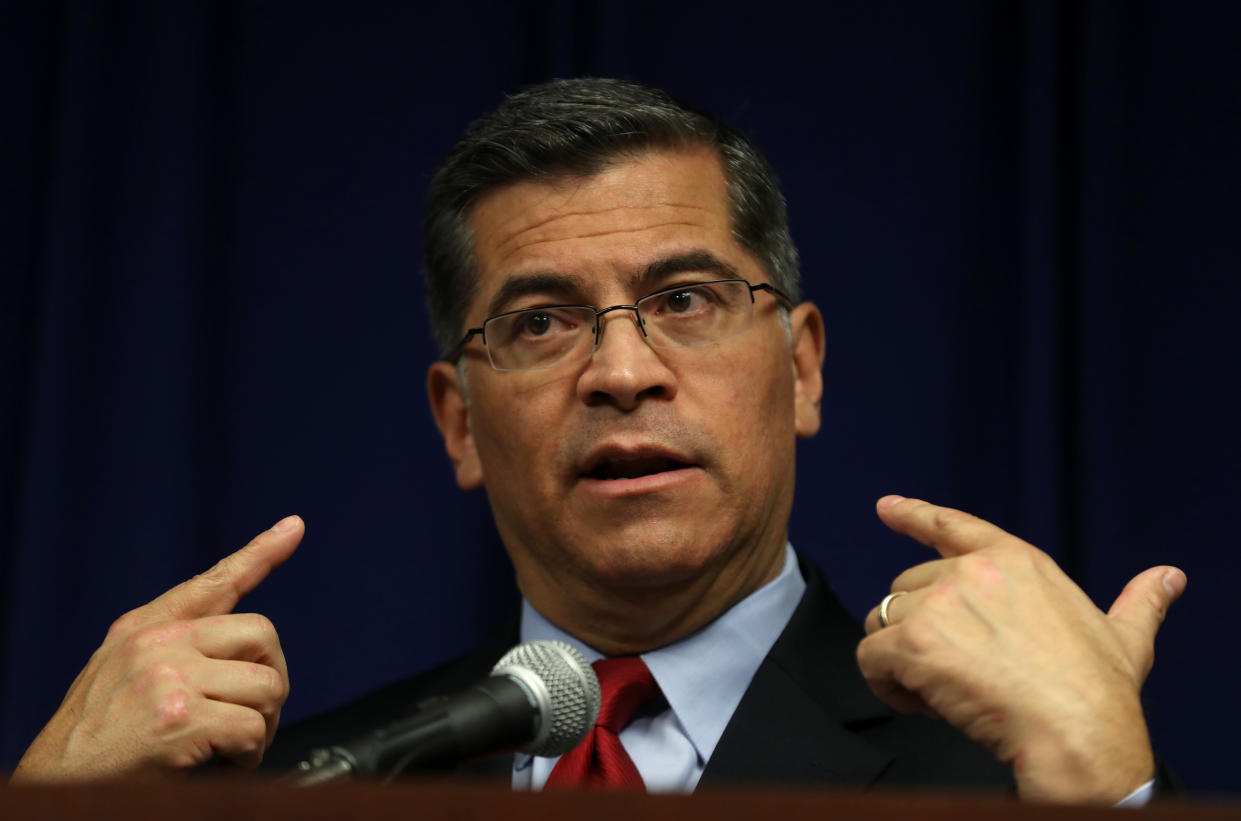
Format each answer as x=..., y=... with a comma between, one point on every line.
x=459, y=350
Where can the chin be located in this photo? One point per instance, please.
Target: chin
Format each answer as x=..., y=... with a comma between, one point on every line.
x=650, y=562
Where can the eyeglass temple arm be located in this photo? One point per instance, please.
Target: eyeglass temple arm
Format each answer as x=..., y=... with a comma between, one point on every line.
x=452, y=356
x=774, y=291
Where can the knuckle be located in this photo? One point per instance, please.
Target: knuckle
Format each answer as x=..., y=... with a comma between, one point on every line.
x=1040, y=560
x=136, y=643
x=260, y=625
x=217, y=577
x=949, y=519
x=183, y=757
x=977, y=566
x=1030, y=561
x=917, y=636
x=917, y=678
x=1024, y=558
x=865, y=653
x=276, y=689
x=173, y=711
x=159, y=672
x=125, y=623
x=1156, y=605
x=970, y=563
x=253, y=731
x=156, y=635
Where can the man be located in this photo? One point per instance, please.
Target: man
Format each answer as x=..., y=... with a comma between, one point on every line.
x=627, y=369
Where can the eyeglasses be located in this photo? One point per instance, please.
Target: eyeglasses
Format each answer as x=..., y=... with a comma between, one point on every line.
x=683, y=316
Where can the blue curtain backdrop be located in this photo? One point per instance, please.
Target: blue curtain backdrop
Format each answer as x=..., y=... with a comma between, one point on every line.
x=1019, y=220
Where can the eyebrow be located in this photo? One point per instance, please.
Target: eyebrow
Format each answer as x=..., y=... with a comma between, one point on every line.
x=570, y=286
x=699, y=261
x=519, y=285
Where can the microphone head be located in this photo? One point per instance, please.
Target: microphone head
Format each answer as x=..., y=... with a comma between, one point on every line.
x=565, y=687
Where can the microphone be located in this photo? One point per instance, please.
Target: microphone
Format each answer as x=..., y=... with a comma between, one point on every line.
x=542, y=697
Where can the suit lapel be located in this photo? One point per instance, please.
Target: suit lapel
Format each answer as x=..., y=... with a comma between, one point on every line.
x=796, y=722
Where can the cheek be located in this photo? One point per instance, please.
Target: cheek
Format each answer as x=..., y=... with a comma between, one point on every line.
x=763, y=429
x=755, y=402
x=742, y=405
x=518, y=429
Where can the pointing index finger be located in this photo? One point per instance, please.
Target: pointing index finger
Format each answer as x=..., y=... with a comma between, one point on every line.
x=951, y=532
x=217, y=591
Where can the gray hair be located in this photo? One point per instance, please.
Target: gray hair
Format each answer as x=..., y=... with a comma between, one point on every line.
x=572, y=128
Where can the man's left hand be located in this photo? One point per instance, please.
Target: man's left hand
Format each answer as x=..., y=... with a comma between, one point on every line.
x=998, y=641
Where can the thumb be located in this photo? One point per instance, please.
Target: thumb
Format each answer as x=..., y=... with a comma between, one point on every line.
x=1144, y=603
x=217, y=591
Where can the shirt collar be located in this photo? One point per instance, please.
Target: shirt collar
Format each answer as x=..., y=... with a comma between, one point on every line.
x=704, y=675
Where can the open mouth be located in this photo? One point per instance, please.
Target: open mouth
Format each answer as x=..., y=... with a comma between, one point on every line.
x=633, y=467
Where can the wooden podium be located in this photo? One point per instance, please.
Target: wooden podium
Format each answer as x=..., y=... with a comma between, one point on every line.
x=232, y=800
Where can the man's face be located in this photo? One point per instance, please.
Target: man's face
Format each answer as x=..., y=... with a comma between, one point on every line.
x=638, y=469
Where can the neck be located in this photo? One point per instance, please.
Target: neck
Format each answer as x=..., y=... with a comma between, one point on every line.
x=619, y=620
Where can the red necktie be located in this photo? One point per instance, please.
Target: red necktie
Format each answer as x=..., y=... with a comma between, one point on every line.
x=600, y=761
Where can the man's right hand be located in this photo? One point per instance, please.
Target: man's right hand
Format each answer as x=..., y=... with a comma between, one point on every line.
x=176, y=681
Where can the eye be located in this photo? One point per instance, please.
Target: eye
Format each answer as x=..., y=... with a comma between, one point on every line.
x=682, y=301
x=539, y=325
x=536, y=324
x=694, y=301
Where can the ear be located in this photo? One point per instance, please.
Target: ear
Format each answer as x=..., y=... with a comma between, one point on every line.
x=452, y=417
x=809, y=349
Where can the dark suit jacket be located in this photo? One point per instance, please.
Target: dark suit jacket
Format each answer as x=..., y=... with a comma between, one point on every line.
x=808, y=717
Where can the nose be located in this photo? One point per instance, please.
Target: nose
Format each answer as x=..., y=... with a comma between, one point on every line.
x=624, y=370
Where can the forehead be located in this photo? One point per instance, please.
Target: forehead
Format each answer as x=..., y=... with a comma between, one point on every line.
x=613, y=223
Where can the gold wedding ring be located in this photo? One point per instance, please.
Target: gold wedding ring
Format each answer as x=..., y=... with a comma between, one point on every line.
x=883, y=606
